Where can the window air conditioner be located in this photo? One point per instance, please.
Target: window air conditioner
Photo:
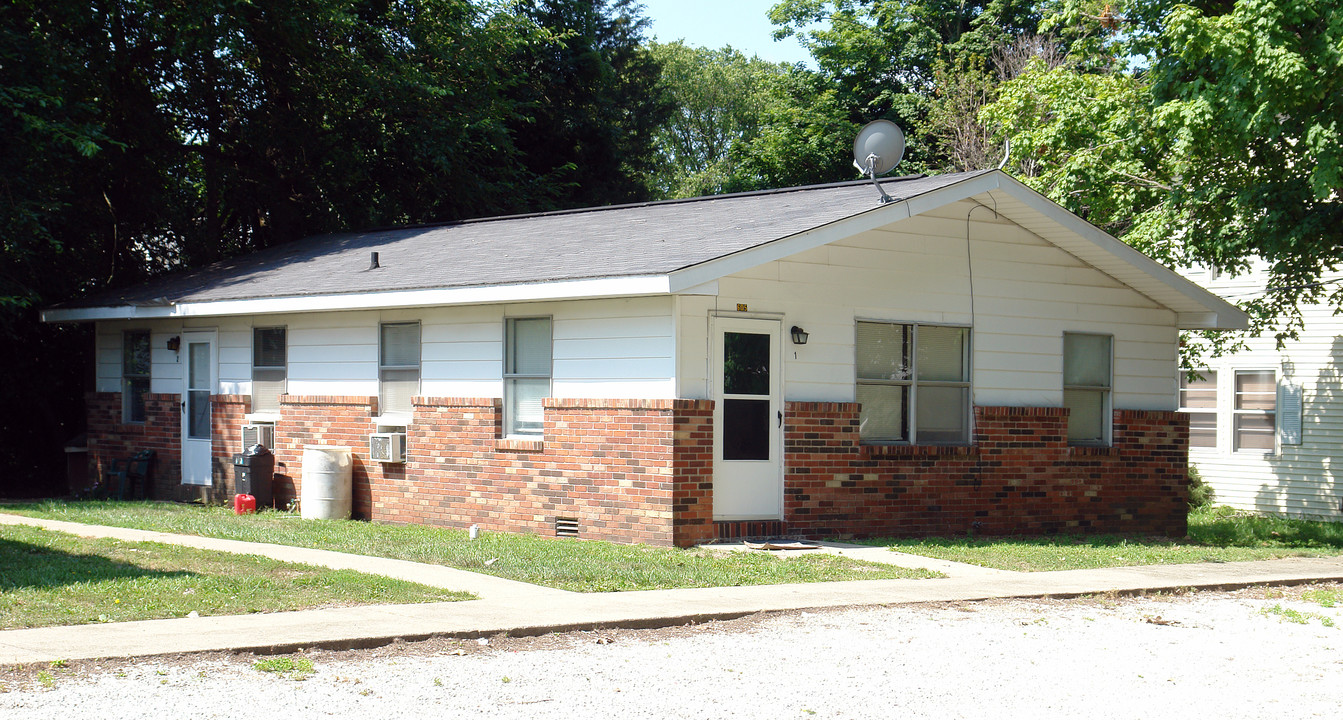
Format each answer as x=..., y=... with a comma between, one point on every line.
x=262, y=433
x=387, y=447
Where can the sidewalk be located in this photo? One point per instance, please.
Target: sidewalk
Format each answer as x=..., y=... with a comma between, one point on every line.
x=519, y=609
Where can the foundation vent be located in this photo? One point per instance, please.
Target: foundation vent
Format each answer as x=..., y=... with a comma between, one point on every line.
x=566, y=527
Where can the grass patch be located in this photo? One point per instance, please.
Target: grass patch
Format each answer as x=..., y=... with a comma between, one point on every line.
x=1215, y=535
x=53, y=578
x=289, y=668
x=1296, y=616
x=583, y=566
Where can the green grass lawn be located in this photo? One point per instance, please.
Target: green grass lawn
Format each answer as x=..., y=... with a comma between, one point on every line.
x=583, y=566
x=1215, y=535
x=52, y=578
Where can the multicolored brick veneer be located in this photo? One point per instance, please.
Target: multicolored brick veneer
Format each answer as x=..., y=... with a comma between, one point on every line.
x=111, y=439
x=1020, y=476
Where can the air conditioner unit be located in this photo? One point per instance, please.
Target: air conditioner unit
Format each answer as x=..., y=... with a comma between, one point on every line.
x=258, y=433
x=387, y=447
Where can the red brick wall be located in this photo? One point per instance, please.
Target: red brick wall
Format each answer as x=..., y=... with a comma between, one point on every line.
x=111, y=439
x=227, y=416
x=329, y=420
x=1020, y=476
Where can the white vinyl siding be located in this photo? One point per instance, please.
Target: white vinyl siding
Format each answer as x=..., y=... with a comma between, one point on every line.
x=1296, y=479
x=1027, y=292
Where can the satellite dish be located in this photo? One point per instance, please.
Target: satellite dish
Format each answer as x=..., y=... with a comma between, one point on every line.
x=879, y=147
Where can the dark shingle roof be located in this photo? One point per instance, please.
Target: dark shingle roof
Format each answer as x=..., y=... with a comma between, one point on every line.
x=631, y=240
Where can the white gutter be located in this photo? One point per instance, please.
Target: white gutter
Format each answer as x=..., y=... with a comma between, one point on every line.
x=526, y=292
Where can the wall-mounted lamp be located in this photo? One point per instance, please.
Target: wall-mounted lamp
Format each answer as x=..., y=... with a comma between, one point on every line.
x=799, y=336
x=175, y=343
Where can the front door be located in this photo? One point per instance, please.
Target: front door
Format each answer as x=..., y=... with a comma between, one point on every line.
x=748, y=420
x=198, y=381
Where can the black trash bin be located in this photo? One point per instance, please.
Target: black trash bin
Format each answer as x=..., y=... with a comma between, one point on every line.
x=254, y=474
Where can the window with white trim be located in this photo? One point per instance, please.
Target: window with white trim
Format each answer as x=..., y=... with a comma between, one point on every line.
x=1254, y=411
x=913, y=382
x=1198, y=398
x=1087, y=363
x=135, y=371
x=398, y=367
x=269, y=368
x=527, y=375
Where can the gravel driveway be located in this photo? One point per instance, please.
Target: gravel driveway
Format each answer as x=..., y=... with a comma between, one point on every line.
x=1208, y=655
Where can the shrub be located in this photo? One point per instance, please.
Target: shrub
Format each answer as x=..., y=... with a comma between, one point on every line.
x=1200, y=493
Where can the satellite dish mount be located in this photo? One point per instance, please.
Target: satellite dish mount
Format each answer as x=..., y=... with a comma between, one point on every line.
x=879, y=147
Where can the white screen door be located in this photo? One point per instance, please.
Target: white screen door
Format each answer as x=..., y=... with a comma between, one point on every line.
x=748, y=420
x=198, y=383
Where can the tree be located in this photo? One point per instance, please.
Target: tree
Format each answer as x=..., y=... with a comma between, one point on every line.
x=1219, y=146
x=593, y=102
x=720, y=99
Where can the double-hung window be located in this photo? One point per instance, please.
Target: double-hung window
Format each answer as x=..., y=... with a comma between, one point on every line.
x=527, y=362
x=1087, y=361
x=135, y=363
x=1254, y=412
x=398, y=367
x=269, y=368
x=1198, y=398
x=913, y=383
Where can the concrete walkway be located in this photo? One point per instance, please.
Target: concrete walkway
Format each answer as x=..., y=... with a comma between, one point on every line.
x=517, y=609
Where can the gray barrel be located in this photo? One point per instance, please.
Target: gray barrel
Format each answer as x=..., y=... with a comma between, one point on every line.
x=327, y=489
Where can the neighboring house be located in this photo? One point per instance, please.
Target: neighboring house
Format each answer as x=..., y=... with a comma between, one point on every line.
x=1266, y=425
x=970, y=358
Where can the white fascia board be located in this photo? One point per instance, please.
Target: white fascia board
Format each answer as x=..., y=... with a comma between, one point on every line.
x=1227, y=316
x=526, y=292
x=879, y=216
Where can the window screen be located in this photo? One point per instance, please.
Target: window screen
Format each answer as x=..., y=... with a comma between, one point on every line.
x=398, y=367
x=135, y=372
x=269, y=368
x=913, y=383
x=1086, y=387
x=527, y=367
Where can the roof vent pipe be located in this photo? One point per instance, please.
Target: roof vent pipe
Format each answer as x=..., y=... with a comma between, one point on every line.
x=373, y=261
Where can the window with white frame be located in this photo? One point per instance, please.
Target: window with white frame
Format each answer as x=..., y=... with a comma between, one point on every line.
x=527, y=374
x=1254, y=411
x=1087, y=361
x=269, y=368
x=1198, y=398
x=398, y=367
x=913, y=382
x=135, y=371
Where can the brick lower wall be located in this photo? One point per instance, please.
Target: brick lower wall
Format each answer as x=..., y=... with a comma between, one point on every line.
x=1020, y=476
x=642, y=470
x=111, y=439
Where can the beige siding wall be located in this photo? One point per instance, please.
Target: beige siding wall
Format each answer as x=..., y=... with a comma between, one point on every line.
x=1305, y=479
x=1026, y=293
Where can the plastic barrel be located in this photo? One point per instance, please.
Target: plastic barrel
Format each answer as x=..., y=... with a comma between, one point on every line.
x=326, y=492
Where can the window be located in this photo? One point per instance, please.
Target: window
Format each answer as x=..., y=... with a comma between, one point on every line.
x=269, y=350
x=1254, y=412
x=913, y=383
x=526, y=374
x=398, y=367
x=1198, y=398
x=134, y=375
x=1086, y=387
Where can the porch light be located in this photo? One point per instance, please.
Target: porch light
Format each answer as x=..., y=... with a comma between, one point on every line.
x=175, y=343
x=799, y=336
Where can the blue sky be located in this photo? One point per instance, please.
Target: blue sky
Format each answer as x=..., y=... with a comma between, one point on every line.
x=743, y=24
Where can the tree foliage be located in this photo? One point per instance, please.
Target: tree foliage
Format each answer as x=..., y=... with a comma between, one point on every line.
x=1216, y=142
x=142, y=136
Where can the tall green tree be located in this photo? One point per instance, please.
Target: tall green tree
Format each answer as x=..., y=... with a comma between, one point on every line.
x=720, y=99
x=593, y=101
x=1212, y=135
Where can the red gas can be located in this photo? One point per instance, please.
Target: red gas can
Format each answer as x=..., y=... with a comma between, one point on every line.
x=244, y=504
